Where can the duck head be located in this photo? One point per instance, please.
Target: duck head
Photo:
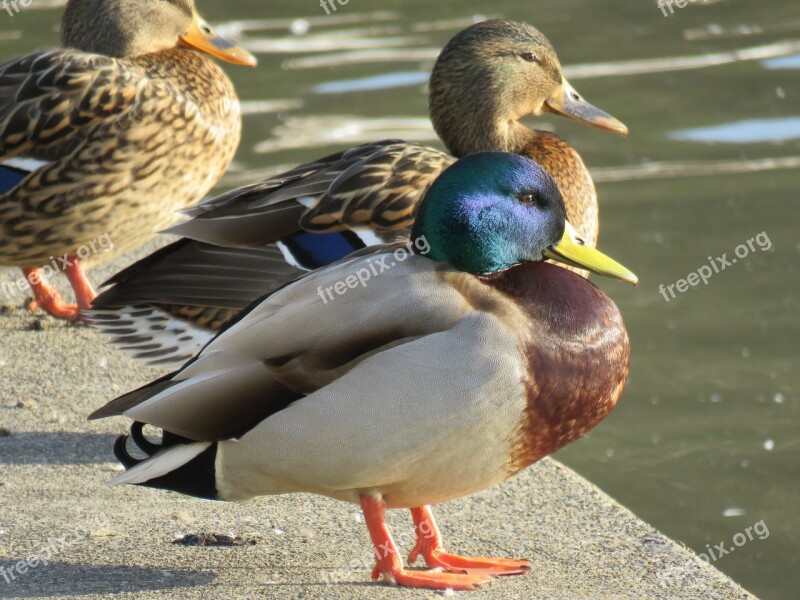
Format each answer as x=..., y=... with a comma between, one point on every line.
x=128, y=28
x=494, y=73
x=492, y=210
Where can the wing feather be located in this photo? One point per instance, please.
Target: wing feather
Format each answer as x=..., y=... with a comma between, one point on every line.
x=49, y=98
x=375, y=186
x=294, y=342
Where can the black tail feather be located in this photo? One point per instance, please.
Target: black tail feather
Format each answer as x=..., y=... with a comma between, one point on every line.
x=196, y=478
x=121, y=452
x=145, y=445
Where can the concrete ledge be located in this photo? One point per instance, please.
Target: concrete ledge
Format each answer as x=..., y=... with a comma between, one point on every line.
x=119, y=540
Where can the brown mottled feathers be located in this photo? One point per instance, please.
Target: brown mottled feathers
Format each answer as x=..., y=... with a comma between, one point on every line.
x=131, y=140
x=48, y=98
x=375, y=186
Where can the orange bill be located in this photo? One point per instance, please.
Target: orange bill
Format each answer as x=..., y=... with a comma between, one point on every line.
x=203, y=38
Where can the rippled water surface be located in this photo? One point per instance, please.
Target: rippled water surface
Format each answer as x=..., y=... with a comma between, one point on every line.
x=706, y=440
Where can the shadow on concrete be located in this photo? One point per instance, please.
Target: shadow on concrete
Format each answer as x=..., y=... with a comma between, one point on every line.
x=67, y=579
x=62, y=448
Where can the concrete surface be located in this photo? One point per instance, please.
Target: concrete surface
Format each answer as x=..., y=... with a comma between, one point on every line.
x=100, y=541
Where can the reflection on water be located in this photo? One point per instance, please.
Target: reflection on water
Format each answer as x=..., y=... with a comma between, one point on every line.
x=662, y=170
x=744, y=132
x=377, y=82
x=784, y=62
x=680, y=63
x=704, y=442
x=315, y=132
x=265, y=107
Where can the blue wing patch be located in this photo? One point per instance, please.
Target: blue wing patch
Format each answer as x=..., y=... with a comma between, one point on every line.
x=315, y=250
x=10, y=177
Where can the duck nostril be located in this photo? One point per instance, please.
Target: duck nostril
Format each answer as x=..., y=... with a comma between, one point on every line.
x=575, y=96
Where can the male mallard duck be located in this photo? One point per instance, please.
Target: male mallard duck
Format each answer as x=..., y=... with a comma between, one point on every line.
x=487, y=78
x=127, y=123
x=407, y=375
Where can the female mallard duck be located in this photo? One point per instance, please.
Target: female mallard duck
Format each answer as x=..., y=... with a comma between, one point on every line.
x=439, y=374
x=487, y=78
x=106, y=138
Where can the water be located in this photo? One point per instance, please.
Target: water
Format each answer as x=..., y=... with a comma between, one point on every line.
x=704, y=443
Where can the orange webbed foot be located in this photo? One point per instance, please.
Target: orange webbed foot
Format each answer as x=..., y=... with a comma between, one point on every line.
x=454, y=563
x=429, y=547
x=437, y=580
x=389, y=566
x=48, y=299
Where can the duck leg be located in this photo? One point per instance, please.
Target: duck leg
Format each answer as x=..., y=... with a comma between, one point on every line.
x=84, y=292
x=429, y=546
x=49, y=300
x=390, y=566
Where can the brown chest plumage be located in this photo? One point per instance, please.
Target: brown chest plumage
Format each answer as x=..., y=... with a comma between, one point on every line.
x=577, y=353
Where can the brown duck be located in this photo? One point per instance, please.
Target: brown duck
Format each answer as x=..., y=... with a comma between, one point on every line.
x=102, y=140
x=252, y=240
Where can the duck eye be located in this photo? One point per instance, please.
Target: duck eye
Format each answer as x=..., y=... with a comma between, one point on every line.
x=529, y=57
x=526, y=197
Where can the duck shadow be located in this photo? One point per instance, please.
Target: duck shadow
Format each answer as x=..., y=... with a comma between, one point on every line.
x=67, y=579
x=56, y=448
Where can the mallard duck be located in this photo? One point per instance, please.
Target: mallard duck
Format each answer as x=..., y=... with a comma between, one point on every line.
x=407, y=375
x=104, y=139
x=252, y=240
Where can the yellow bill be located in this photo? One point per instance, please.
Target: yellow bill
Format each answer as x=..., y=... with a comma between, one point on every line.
x=572, y=251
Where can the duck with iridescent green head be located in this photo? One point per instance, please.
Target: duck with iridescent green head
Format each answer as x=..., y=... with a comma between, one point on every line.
x=459, y=362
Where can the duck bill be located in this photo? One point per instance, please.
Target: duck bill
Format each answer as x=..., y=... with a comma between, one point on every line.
x=203, y=38
x=569, y=103
x=572, y=251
